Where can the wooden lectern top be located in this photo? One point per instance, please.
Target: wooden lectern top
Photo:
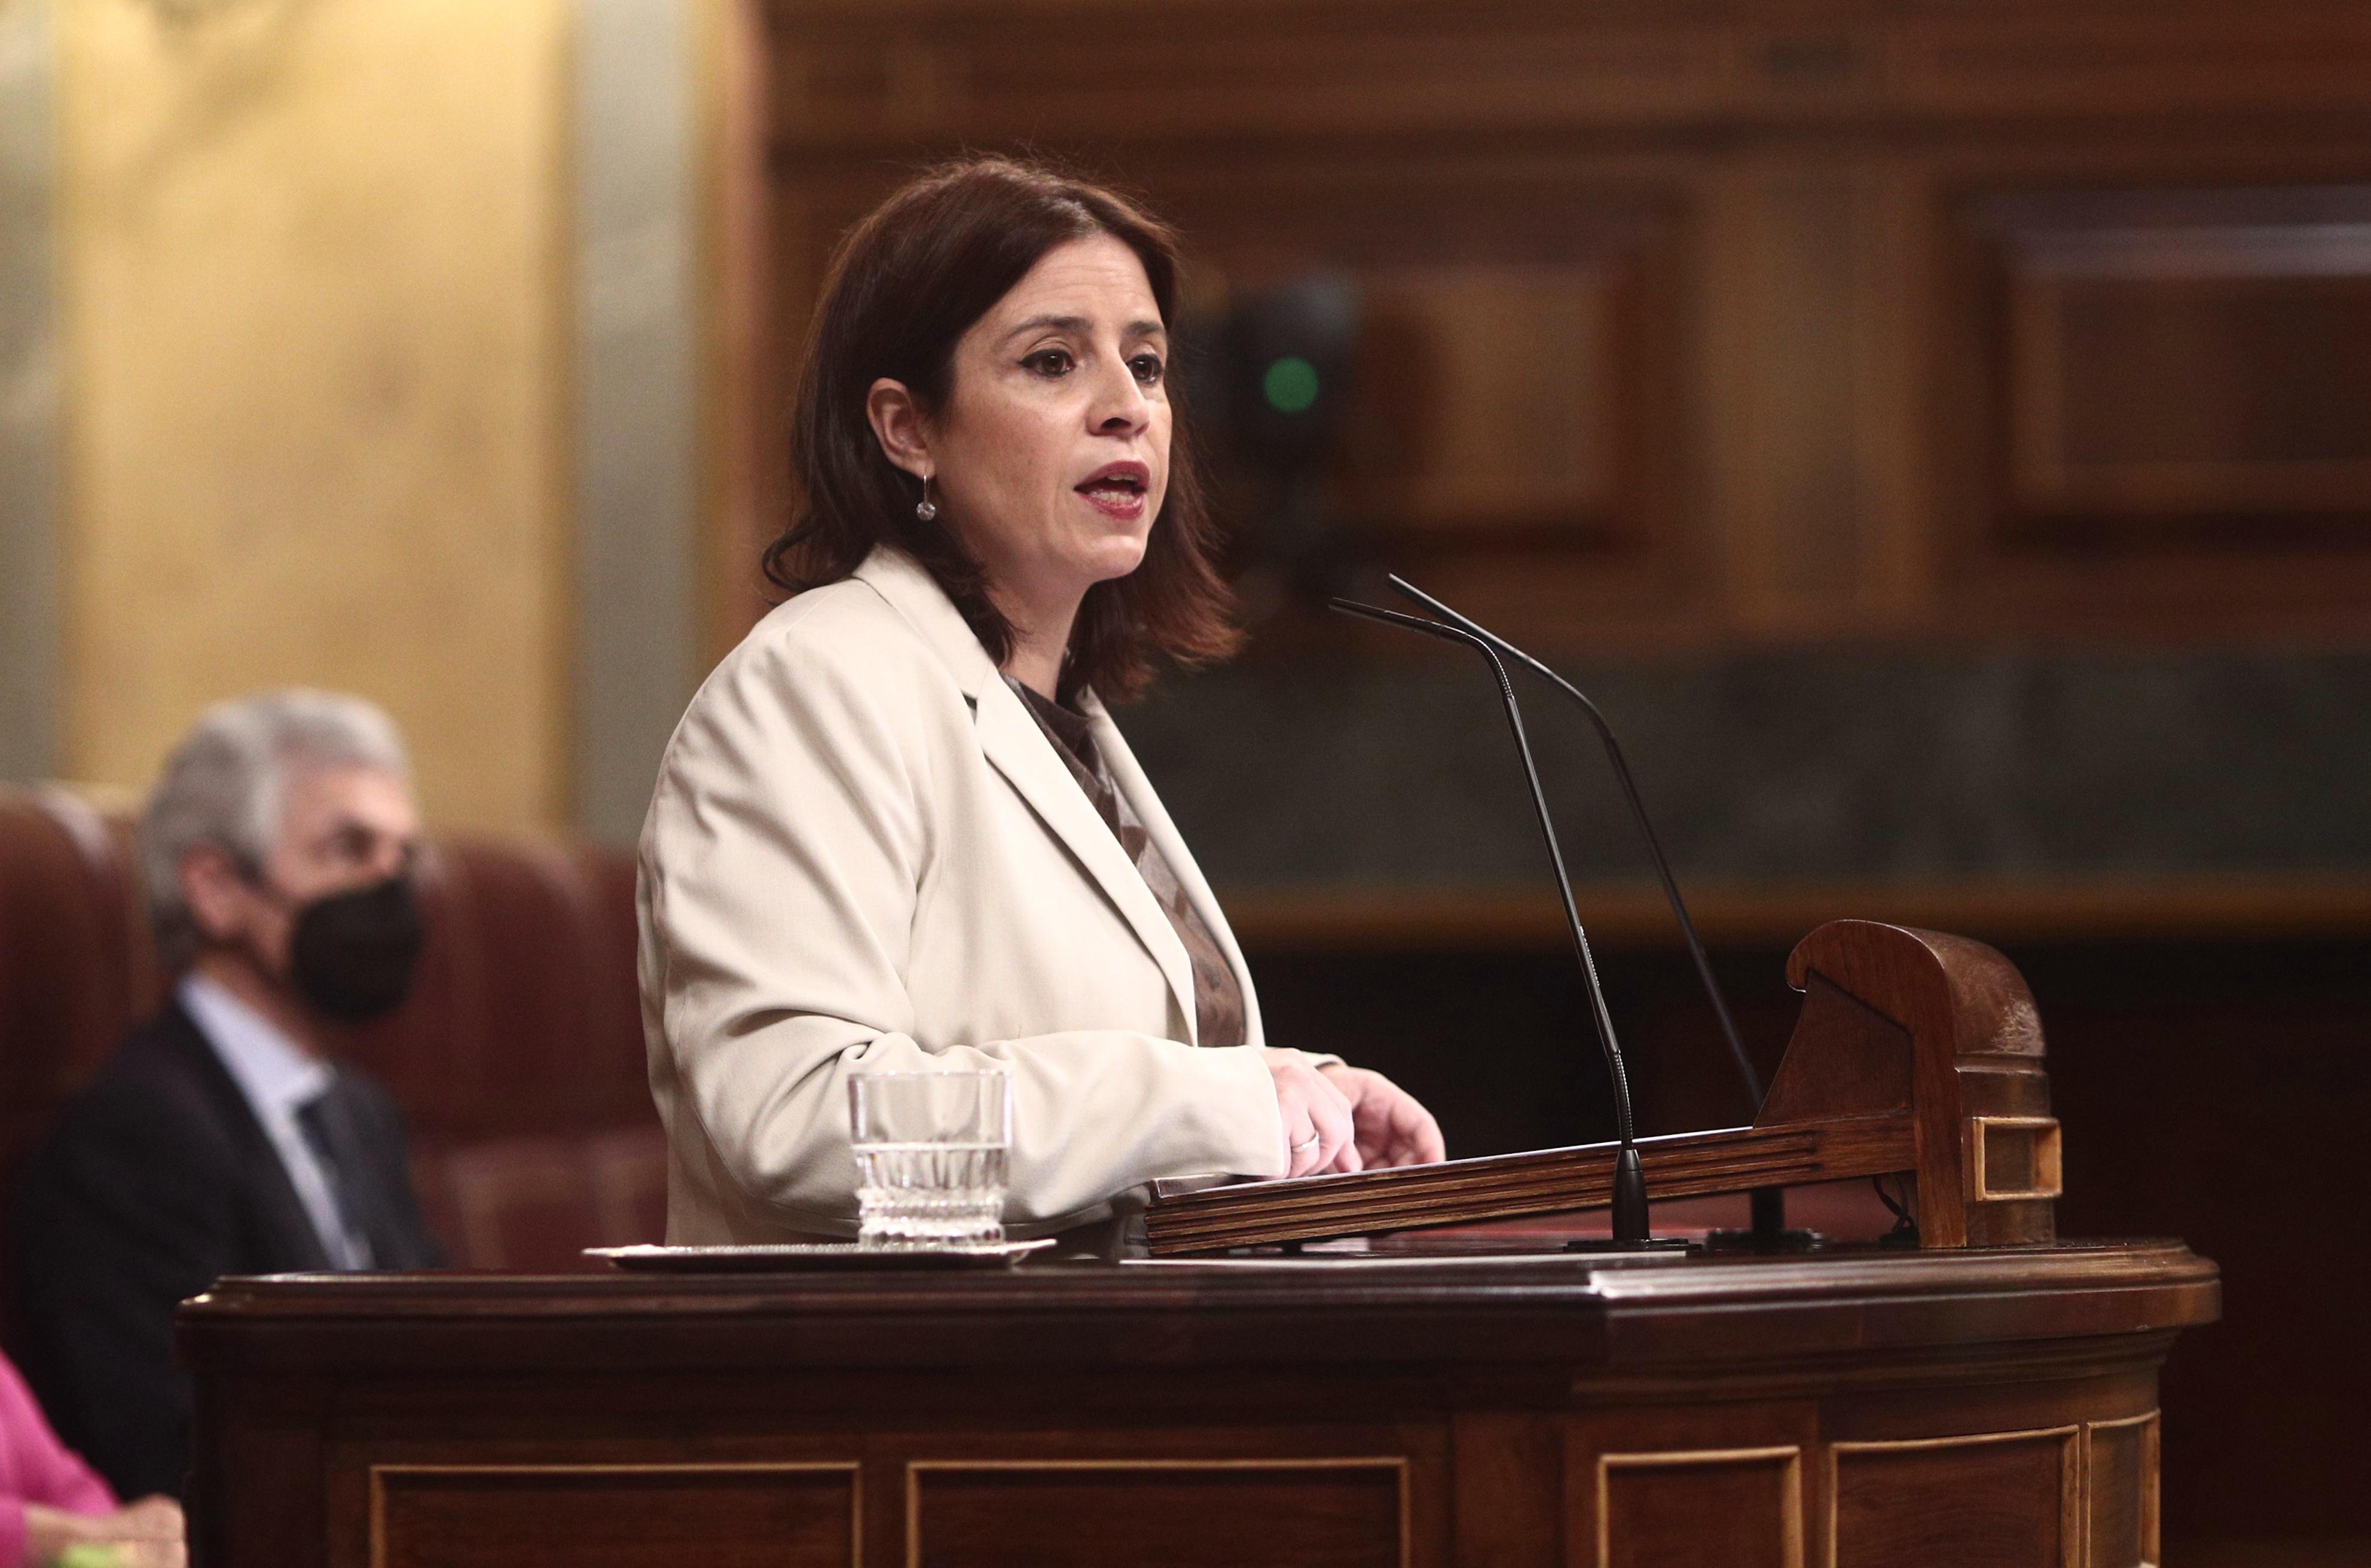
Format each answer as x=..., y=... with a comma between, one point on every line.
x=1692, y=1316
x=1917, y=1054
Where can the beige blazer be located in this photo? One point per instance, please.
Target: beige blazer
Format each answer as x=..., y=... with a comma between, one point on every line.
x=863, y=854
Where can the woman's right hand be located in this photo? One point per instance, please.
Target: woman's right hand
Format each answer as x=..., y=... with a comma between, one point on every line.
x=1318, y=1131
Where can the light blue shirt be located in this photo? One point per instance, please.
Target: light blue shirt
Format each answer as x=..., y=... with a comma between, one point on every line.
x=278, y=1078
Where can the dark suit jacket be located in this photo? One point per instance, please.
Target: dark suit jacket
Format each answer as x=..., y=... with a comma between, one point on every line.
x=158, y=1181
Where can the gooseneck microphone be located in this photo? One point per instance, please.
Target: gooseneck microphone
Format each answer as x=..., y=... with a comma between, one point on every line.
x=1753, y=1079
x=1630, y=1221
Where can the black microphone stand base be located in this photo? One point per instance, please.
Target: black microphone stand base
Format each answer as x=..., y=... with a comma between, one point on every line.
x=1755, y=1241
x=1615, y=1244
x=1632, y=1231
x=1770, y=1232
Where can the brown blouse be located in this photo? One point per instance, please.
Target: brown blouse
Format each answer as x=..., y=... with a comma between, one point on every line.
x=1217, y=999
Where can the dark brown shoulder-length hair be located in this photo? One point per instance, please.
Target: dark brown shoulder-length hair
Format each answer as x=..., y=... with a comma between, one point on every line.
x=903, y=285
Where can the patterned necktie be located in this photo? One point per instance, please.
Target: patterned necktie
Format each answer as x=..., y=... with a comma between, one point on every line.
x=329, y=1132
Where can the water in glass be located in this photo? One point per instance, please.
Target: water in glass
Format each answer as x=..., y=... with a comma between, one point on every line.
x=931, y=1152
x=930, y=1194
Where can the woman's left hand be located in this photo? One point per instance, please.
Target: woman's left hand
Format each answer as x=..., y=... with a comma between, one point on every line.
x=1389, y=1126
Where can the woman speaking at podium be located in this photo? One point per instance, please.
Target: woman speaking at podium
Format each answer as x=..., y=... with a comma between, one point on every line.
x=896, y=828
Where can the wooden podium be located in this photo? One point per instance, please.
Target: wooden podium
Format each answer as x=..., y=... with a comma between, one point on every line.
x=1988, y=1399
x=1908, y=1409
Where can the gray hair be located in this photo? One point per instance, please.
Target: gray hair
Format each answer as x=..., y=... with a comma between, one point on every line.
x=225, y=785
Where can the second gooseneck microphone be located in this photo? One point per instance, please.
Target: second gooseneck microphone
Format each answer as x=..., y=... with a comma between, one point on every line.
x=1630, y=1218
x=1746, y=1075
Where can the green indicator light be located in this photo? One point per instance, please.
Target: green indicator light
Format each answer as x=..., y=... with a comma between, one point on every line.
x=1291, y=385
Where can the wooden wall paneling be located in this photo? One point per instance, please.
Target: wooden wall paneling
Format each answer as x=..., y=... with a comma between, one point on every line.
x=2149, y=381
x=864, y=74
x=1900, y=556
x=1780, y=356
x=2097, y=61
x=1619, y=64
x=1793, y=418
x=1521, y=434
x=1810, y=360
x=1492, y=398
x=2190, y=355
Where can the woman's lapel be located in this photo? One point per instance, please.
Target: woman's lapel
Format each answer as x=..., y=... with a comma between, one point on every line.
x=1018, y=750
x=1130, y=776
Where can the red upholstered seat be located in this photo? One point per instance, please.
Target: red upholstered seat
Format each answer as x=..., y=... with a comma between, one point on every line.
x=518, y=1060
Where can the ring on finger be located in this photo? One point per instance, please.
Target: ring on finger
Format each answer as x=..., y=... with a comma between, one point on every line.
x=1308, y=1145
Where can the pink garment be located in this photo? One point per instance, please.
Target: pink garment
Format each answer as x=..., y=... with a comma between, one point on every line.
x=36, y=1468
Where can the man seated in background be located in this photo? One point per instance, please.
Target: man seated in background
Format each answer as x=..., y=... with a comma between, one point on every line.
x=277, y=855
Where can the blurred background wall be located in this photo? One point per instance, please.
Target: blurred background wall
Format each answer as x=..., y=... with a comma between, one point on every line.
x=352, y=344
x=1939, y=435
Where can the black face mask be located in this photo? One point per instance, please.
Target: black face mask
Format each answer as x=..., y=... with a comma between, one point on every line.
x=351, y=955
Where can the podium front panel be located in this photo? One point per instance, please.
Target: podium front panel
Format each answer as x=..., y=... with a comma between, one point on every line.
x=1861, y=1408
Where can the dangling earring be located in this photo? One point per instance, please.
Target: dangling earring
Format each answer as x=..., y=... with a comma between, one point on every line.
x=924, y=509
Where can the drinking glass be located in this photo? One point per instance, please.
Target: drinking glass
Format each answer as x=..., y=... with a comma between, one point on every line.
x=930, y=1157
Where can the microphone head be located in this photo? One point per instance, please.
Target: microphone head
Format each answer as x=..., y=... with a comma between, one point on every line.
x=1413, y=623
x=1363, y=611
